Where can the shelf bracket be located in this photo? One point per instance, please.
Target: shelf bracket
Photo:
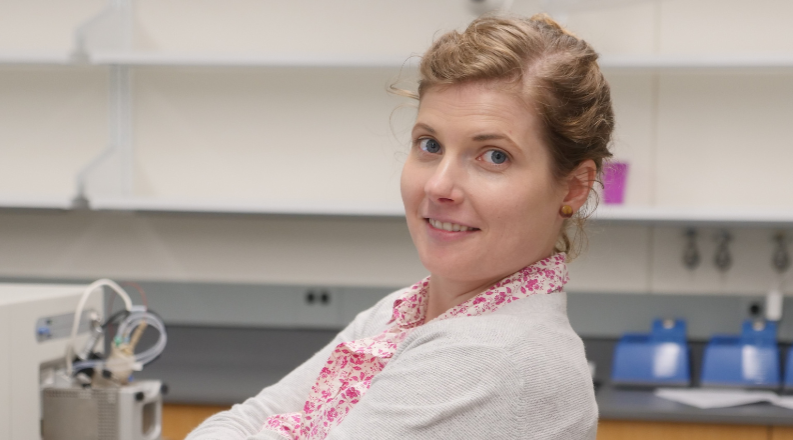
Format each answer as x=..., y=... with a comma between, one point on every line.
x=111, y=172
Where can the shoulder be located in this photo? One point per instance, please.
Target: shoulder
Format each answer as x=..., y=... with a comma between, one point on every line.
x=533, y=334
x=536, y=353
x=518, y=328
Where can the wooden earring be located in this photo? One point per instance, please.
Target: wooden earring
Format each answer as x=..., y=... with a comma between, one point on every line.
x=566, y=211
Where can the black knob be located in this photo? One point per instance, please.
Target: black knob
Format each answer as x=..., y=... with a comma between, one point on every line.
x=324, y=298
x=310, y=298
x=107, y=374
x=164, y=389
x=139, y=396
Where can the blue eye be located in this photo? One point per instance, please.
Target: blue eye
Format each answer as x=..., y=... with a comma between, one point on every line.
x=429, y=145
x=496, y=157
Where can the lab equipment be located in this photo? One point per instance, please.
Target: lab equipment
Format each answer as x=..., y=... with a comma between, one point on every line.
x=35, y=327
x=660, y=358
x=131, y=412
x=57, y=381
x=750, y=360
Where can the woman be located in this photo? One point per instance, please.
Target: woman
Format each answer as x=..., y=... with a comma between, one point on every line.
x=514, y=122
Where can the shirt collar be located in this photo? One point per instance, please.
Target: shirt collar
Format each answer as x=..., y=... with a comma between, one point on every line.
x=545, y=276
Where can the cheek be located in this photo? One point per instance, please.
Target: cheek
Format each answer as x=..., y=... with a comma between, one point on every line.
x=412, y=189
x=411, y=185
x=525, y=211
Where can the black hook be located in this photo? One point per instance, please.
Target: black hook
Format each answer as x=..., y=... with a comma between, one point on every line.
x=781, y=257
x=691, y=257
x=723, y=258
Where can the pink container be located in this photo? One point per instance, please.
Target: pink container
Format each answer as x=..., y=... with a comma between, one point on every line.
x=615, y=176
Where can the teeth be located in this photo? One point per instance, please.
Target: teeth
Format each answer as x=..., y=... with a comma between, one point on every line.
x=447, y=226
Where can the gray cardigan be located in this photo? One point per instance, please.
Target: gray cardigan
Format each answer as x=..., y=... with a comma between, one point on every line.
x=516, y=373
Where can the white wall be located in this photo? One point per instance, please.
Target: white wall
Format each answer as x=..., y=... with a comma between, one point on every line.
x=255, y=134
x=42, y=26
x=52, y=122
x=274, y=134
x=242, y=249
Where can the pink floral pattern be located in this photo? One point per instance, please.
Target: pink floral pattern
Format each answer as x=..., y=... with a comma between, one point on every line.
x=349, y=370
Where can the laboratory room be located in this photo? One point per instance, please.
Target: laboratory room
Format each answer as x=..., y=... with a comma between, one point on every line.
x=396, y=220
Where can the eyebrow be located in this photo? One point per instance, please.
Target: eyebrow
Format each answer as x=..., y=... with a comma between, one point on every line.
x=426, y=127
x=489, y=137
x=478, y=138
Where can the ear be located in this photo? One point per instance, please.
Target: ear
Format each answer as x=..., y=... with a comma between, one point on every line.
x=579, y=183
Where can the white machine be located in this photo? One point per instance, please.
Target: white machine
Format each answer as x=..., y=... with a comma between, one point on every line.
x=51, y=388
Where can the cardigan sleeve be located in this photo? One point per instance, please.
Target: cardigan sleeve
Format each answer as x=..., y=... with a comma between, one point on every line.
x=245, y=420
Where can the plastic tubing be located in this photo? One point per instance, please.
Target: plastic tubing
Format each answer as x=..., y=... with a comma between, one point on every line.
x=135, y=319
x=79, y=311
x=124, y=329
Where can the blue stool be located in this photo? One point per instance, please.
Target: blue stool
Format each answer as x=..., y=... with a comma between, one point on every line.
x=750, y=360
x=659, y=358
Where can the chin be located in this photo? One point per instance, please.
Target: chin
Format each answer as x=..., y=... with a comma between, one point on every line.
x=452, y=267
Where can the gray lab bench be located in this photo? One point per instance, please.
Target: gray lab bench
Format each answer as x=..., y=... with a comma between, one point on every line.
x=642, y=404
x=618, y=404
x=222, y=366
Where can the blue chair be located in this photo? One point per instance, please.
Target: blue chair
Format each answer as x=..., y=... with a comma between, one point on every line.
x=660, y=358
x=750, y=360
x=789, y=372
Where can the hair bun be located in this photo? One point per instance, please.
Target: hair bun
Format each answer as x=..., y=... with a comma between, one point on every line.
x=546, y=19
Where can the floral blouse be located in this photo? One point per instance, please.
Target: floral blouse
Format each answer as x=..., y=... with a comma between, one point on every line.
x=349, y=371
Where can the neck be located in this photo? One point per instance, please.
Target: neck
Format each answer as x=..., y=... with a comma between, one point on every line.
x=445, y=294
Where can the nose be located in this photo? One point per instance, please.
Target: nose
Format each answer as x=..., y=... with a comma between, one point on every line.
x=445, y=184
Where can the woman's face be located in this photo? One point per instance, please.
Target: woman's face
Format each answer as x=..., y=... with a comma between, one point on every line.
x=480, y=198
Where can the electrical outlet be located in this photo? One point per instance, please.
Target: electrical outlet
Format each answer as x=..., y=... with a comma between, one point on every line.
x=320, y=297
x=752, y=307
x=319, y=308
x=755, y=309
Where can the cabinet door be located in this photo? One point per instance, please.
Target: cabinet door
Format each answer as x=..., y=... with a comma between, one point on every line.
x=781, y=433
x=179, y=420
x=631, y=430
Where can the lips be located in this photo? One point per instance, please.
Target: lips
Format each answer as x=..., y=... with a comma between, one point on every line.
x=450, y=226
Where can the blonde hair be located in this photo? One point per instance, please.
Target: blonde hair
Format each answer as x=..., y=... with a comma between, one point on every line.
x=555, y=71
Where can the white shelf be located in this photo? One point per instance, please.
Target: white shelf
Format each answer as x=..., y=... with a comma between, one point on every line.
x=605, y=213
x=242, y=60
x=296, y=208
x=627, y=62
x=177, y=59
x=35, y=58
x=637, y=215
x=614, y=62
x=694, y=216
x=696, y=62
x=60, y=203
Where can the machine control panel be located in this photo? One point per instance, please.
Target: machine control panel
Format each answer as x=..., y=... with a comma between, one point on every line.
x=60, y=326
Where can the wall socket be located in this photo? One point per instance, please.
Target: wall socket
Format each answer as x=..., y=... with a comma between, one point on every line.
x=320, y=308
x=318, y=297
x=756, y=309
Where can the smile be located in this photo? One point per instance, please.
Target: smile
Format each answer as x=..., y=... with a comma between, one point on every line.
x=451, y=227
